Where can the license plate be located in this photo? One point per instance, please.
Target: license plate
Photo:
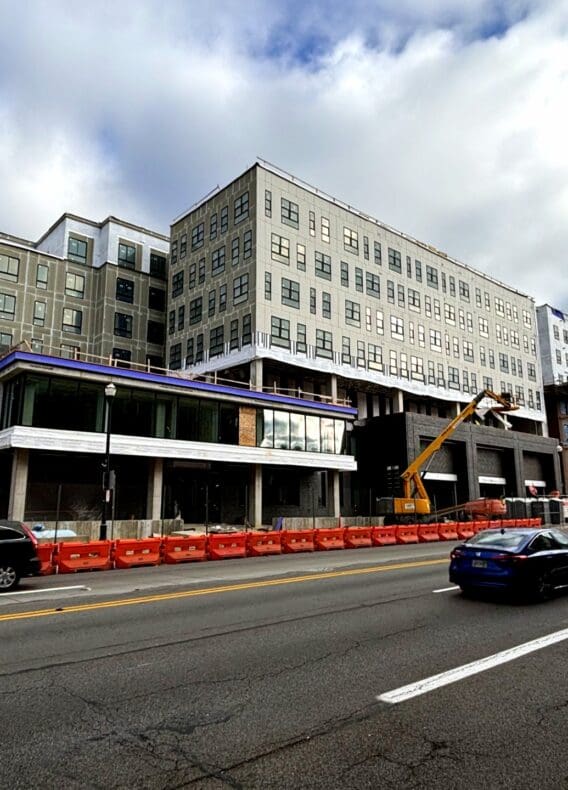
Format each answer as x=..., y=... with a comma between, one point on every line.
x=479, y=563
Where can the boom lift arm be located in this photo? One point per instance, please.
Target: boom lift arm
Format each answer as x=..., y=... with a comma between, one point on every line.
x=415, y=498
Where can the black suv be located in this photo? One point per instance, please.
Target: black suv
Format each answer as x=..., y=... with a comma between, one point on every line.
x=18, y=556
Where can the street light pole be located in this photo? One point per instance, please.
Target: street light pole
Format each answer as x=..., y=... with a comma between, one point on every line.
x=110, y=392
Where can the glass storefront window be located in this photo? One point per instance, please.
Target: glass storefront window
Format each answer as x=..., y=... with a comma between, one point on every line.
x=313, y=441
x=327, y=436
x=208, y=428
x=339, y=436
x=281, y=430
x=297, y=432
x=266, y=428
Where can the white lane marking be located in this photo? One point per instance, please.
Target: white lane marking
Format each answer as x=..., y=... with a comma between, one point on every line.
x=49, y=590
x=446, y=589
x=475, y=667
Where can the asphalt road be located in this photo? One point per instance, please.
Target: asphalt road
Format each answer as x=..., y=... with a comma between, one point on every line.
x=266, y=673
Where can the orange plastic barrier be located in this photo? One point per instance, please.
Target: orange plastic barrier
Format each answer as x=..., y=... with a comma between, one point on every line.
x=294, y=540
x=407, y=533
x=181, y=548
x=477, y=526
x=465, y=530
x=535, y=522
x=132, y=553
x=259, y=544
x=325, y=539
x=45, y=552
x=448, y=531
x=228, y=545
x=507, y=523
x=358, y=537
x=92, y=556
x=383, y=536
x=522, y=522
x=428, y=533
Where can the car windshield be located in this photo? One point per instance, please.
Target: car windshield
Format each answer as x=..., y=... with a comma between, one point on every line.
x=511, y=541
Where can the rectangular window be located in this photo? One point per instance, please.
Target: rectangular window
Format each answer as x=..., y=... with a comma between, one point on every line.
x=378, y=253
x=280, y=248
x=241, y=207
x=380, y=322
x=39, y=313
x=183, y=244
x=216, y=340
x=395, y=261
x=312, y=223
x=373, y=286
x=157, y=266
x=483, y=326
x=235, y=251
x=190, y=353
x=155, y=332
x=435, y=340
x=173, y=252
x=267, y=286
x=9, y=268
x=196, y=310
x=313, y=306
x=346, y=350
x=181, y=317
x=247, y=330
x=247, y=244
x=192, y=276
x=499, y=306
x=72, y=321
x=464, y=291
x=175, y=357
x=326, y=304
x=280, y=332
x=325, y=230
x=123, y=325
x=157, y=299
x=324, y=343
x=126, y=256
x=453, y=378
x=75, y=285
x=42, y=273
x=352, y=313
x=443, y=282
x=431, y=277
x=413, y=300
x=199, y=348
x=201, y=271
x=351, y=240
x=224, y=219
x=366, y=247
x=171, y=322
x=322, y=265
x=211, y=302
x=301, y=337
x=177, y=283
x=213, y=227
x=234, y=334
x=468, y=351
x=301, y=257
x=418, y=271
x=358, y=279
x=197, y=237
x=344, y=274
x=240, y=289
x=290, y=213
x=77, y=250
x=409, y=266
x=400, y=295
x=125, y=290
x=397, y=328
x=218, y=261
x=390, y=291
x=222, y=298
x=290, y=293
x=267, y=203
x=478, y=302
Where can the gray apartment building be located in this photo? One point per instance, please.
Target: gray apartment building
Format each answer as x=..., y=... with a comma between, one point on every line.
x=275, y=282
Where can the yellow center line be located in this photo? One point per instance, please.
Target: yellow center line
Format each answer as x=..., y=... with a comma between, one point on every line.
x=216, y=590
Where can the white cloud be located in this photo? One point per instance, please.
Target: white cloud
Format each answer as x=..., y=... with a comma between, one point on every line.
x=402, y=109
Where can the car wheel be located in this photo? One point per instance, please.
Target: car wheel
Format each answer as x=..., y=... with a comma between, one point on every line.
x=542, y=589
x=9, y=578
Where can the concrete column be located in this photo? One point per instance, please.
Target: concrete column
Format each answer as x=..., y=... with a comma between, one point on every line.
x=376, y=406
x=18, y=484
x=361, y=405
x=255, y=500
x=256, y=374
x=334, y=482
x=155, y=489
x=519, y=471
x=333, y=382
x=455, y=409
x=397, y=401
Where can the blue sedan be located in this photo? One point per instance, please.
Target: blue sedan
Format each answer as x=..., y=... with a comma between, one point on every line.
x=531, y=562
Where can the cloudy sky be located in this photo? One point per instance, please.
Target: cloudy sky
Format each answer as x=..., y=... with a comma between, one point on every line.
x=445, y=119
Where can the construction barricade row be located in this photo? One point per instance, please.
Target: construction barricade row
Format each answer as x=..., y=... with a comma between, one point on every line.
x=326, y=539
x=181, y=548
x=261, y=544
x=92, y=556
x=137, y=553
x=358, y=537
x=297, y=540
x=226, y=546
x=384, y=536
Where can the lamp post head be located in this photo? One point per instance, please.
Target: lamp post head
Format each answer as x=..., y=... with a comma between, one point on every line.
x=110, y=390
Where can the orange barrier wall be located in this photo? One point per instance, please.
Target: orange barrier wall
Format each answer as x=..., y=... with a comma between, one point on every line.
x=384, y=536
x=260, y=544
x=325, y=539
x=506, y=523
x=133, y=553
x=428, y=533
x=465, y=530
x=294, y=540
x=477, y=526
x=45, y=553
x=227, y=546
x=73, y=557
x=358, y=537
x=448, y=530
x=179, y=548
x=407, y=533
x=535, y=522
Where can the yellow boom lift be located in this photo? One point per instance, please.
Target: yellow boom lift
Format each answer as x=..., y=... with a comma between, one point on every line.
x=415, y=499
